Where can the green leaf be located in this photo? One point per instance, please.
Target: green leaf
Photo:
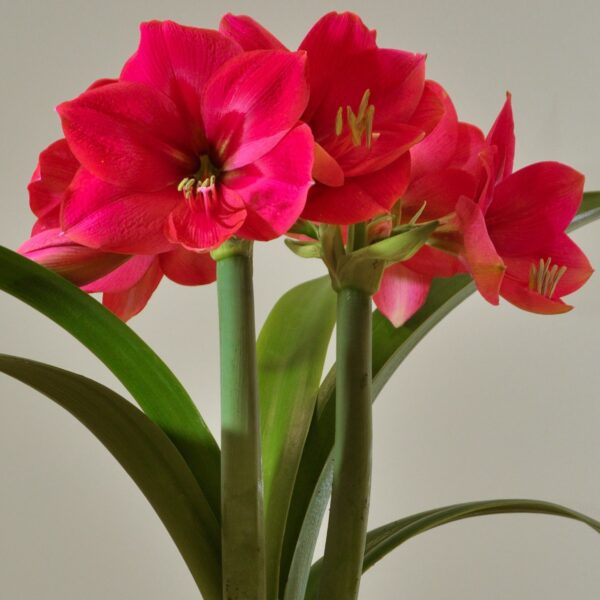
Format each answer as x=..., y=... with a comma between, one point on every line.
x=142, y=372
x=390, y=347
x=300, y=558
x=291, y=351
x=148, y=456
x=383, y=540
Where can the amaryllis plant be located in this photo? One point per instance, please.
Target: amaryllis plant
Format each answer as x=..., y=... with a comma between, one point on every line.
x=211, y=140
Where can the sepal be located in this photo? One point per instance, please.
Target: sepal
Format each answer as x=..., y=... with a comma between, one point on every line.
x=362, y=269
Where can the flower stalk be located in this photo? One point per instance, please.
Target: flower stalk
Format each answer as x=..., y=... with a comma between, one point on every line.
x=346, y=532
x=243, y=537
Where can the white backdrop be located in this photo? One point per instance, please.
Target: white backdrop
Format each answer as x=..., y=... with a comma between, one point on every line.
x=494, y=403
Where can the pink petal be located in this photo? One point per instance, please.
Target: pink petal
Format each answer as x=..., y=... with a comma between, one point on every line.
x=360, y=198
x=188, y=268
x=338, y=31
x=52, y=222
x=249, y=34
x=470, y=144
x=395, y=79
x=485, y=265
x=533, y=205
x=130, y=135
x=431, y=108
x=274, y=187
x=401, y=294
x=440, y=190
x=104, y=216
x=252, y=103
x=178, y=61
x=56, y=168
x=101, y=82
x=562, y=252
x=437, y=149
x=386, y=148
x=330, y=43
x=502, y=135
x=434, y=263
x=123, y=277
x=205, y=223
x=74, y=262
x=326, y=169
x=130, y=302
x=518, y=294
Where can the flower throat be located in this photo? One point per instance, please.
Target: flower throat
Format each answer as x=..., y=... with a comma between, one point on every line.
x=202, y=182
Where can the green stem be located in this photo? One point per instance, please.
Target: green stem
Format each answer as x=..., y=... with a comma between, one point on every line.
x=357, y=236
x=243, y=540
x=346, y=532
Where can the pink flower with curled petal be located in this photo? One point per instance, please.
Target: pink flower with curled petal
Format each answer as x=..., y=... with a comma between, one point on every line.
x=367, y=107
x=513, y=234
x=517, y=248
x=508, y=229
x=442, y=171
x=126, y=281
x=197, y=142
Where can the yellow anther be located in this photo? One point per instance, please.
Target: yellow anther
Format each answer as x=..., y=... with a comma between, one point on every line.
x=543, y=278
x=369, y=119
x=339, y=121
x=548, y=279
x=203, y=179
x=532, y=277
x=540, y=276
x=557, y=278
x=360, y=124
x=364, y=104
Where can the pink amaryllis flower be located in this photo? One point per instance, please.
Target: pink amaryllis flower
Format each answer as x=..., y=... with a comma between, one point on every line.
x=197, y=142
x=367, y=107
x=517, y=247
x=513, y=233
x=444, y=167
x=126, y=281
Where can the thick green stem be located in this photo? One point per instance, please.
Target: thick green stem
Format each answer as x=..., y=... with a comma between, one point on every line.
x=346, y=532
x=242, y=519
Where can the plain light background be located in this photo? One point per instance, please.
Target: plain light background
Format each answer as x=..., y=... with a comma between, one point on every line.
x=493, y=403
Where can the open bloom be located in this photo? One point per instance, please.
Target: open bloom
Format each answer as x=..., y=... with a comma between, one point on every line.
x=507, y=230
x=513, y=233
x=196, y=142
x=367, y=107
x=518, y=248
x=126, y=281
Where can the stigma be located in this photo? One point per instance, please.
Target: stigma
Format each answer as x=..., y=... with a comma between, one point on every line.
x=202, y=183
x=191, y=187
x=360, y=124
x=544, y=278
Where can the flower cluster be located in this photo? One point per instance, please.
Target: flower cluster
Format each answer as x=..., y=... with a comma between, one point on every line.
x=208, y=135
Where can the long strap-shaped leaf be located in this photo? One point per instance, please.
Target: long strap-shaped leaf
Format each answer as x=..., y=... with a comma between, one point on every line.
x=291, y=351
x=148, y=456
x=383, y=540
x=390, y=347
x=142, y=372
